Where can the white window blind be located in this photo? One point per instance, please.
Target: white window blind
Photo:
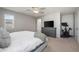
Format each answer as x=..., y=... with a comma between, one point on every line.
x=9, y=21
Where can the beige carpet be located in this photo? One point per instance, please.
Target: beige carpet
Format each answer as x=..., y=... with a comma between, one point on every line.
x=62, y=45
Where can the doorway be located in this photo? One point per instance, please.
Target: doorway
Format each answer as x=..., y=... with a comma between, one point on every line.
x=38, y=25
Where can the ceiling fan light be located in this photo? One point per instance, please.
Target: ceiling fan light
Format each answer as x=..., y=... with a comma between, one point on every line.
x=35, y=11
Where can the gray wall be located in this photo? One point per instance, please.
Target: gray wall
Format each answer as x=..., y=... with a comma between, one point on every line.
x=22, y=21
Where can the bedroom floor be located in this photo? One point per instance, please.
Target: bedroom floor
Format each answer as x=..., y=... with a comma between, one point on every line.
x=62, y=45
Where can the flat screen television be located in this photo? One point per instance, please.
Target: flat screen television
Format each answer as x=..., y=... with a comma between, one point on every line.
x=49, y=24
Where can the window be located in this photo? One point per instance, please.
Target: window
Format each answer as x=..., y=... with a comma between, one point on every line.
x=9, y=21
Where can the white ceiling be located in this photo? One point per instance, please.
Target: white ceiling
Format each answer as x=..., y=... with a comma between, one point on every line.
x=46, y=10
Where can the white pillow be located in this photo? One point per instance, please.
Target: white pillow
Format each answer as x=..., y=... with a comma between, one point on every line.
x=4, y=38
x=40, y=35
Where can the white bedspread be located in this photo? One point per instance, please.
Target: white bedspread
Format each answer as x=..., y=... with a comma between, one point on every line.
x=22, y=41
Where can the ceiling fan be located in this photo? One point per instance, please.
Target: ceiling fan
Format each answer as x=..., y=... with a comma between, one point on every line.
x=37, y=10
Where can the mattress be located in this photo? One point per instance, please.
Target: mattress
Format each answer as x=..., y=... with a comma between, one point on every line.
x=23, y=41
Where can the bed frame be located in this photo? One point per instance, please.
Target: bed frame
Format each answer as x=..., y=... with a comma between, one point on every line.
x=41, y=47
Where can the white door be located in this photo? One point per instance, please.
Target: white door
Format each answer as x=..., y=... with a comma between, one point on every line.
x=38, y=25
x=77, y=26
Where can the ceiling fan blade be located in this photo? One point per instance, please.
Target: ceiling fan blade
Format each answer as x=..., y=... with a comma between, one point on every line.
x=28, y=10
x=42, y=8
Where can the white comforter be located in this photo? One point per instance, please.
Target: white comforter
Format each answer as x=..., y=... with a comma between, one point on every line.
x=22, y=41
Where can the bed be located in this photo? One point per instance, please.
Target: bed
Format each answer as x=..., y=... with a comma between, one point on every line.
x=24, y=41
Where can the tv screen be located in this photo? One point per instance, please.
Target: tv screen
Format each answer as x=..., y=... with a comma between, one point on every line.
x=49, y=24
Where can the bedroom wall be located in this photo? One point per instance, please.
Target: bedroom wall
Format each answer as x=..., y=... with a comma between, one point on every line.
x=53, y=17
x=22, y=21
x=69, y=18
